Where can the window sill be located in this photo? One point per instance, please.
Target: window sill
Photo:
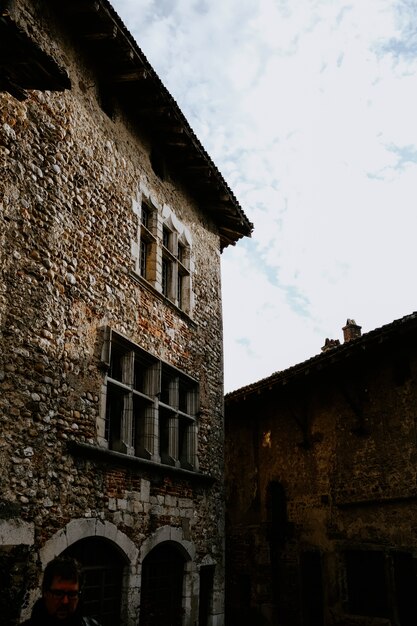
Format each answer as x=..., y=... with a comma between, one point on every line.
x=118, y=458
x=144, y=283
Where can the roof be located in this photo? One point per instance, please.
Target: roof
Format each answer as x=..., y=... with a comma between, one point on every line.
x=366, y=342
x=125, y=74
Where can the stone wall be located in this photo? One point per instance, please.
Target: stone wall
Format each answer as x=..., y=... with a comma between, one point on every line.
x=327, y=494
x=70, y=175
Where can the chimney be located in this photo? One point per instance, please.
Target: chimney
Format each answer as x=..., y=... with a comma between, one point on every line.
x=329, y=344
x=351, y=330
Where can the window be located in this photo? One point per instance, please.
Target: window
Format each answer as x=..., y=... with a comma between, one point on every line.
x=366, y=579
x=162, y=253
x=168, y=264
x=166, y=238
x=312, y=596
x=183, y=275
x=102, y=567
x=151, y=407
x=175, y=268
x=147, y=242
x=162, y=594
x=382, y=584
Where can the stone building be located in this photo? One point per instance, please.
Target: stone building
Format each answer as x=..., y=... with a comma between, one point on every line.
x=112, y=222
x=321, y=487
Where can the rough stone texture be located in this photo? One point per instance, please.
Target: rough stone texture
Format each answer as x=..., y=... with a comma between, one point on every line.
x=69, y=177
x=321, y=468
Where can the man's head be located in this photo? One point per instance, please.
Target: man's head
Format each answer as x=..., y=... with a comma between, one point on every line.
x=61, y=587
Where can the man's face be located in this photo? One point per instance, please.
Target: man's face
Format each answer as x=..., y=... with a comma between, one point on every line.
x=61, y=599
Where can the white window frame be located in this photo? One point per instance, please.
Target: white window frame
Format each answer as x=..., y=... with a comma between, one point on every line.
x=167, y=265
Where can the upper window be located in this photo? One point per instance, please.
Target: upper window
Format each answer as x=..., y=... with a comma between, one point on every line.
x=183, y=274
x=163, y=254
x=147, y=242
x=151, y=407
x=176, y=278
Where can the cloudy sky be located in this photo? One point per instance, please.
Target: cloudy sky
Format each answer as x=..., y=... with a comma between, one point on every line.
x=309, y=109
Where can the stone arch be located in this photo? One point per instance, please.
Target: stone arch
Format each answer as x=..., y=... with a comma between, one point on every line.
x=78, y=529
x=175, y=537
x=104, y=566
x=168, y=533
x=83, y=528
x=162, y=598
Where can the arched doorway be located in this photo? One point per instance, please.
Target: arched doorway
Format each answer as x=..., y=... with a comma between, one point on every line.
x=162, y=586
x=102, y=566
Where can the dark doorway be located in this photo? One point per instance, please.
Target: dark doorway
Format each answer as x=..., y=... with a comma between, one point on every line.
x=277, y=530
x=206, y=594
x=162, y=583
x=405, y=580
x=312, y=588
x=276, y=515
x=366, y=579
x=102, y=567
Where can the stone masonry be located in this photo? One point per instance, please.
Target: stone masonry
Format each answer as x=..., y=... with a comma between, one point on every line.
x=320, y=525
x=71, y=178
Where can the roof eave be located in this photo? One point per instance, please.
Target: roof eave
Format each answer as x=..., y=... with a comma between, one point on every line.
x=330, y=357
x=130, y=77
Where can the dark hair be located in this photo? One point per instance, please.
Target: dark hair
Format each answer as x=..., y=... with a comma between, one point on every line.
x=64, y=567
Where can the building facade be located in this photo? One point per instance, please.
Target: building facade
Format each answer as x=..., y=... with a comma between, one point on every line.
x=321, y=492
x=113, y=218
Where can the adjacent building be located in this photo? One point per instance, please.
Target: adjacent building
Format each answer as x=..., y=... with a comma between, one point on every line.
x=112, y=222
x=321, y=486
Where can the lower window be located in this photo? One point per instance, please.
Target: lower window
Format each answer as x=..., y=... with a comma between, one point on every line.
x=102, y=571
x=366, y=579
x=151, y=407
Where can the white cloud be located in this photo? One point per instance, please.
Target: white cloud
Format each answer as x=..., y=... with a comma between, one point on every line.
x=308, y=109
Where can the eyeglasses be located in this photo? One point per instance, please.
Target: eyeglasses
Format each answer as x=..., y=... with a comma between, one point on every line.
x=61, y=593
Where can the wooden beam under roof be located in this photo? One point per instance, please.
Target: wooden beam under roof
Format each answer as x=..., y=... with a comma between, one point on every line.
x=130, y=76
x=197, y=167
x=153, y=111
x=145, y=97
x=170, y=127
x=178, y=143
x=24, y=64
x=15, y=90
x=107, y=32
x=76, y=7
